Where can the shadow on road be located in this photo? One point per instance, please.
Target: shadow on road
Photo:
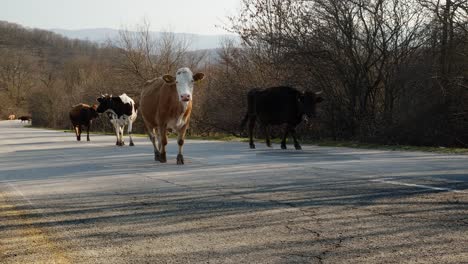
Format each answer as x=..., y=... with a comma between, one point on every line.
x=229, y=204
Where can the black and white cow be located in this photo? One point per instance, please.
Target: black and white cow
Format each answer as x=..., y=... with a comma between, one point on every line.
x=121, y=111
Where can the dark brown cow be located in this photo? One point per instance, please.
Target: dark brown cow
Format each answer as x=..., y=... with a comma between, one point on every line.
x=279, y=105
x=166, y=103
x=82, y=115
x=25, y=118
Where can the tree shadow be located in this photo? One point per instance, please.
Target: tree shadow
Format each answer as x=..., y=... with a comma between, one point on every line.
x=244, y=210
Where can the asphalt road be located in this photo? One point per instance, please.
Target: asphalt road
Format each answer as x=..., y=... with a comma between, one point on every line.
x=63, y=201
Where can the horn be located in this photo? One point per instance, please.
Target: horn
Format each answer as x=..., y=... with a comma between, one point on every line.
x=319, y=92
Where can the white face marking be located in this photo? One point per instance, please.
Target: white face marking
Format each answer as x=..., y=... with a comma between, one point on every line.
x=184, y=84
x=111, y=114
x=121, y=121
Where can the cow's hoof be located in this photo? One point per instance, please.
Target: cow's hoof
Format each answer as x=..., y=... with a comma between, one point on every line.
x=122, y=143
x=180, y=159
x=283, y=146
x=157, y=156
x=252, y=146
x=88, y=139
x=269, y=145
x=117, y=143
x=131, y=144
x=298, y=147
x=78, y=139
x=162, y=158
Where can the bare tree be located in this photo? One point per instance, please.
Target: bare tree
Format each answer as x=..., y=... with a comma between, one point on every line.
x=144, y=55
x=16, y=78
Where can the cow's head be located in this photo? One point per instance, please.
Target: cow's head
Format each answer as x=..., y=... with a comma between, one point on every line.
x=93, y=112
x=308, y=102
x=184, y=82
x=105, y=103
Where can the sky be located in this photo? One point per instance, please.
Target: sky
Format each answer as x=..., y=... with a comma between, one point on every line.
x=188, y=16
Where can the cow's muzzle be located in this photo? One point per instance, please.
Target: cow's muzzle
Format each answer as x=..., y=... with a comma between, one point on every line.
x=185, y=98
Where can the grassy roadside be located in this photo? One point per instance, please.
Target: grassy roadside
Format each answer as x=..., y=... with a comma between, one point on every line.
x=322, y=143
x=363, y=145
x=360, y=145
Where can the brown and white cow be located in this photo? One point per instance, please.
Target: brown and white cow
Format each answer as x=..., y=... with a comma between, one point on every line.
x=166, y=103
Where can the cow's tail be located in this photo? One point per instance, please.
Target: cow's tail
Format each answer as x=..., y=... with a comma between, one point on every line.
x=244, y=121
x=250, y=108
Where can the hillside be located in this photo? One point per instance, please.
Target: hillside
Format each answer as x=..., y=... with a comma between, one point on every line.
x=42, y=44
x=43, y=73
x=34, y=60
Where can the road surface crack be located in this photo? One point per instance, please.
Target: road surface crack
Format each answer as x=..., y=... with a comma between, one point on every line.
x=333, y=247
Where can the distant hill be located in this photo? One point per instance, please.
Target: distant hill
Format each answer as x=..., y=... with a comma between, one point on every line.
x=100, y=35
x=47, y=47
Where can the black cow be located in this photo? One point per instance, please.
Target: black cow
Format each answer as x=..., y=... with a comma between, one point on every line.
x=82, y=115
x=277, y=106
x=121, y=111
x=25, y=118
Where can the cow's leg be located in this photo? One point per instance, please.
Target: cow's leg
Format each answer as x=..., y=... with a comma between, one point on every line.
x=267, y=136
x=180, y=142
x=87, y=131
x=79, y=132
x=159, y=142
x=121, y=134
x=152, y=136
x=283, y=141
x=252, y=120
x=76, y=132
x=117, y=132
x=129, y=131
x=156, y=144
x=162, y=140
x=296, y=143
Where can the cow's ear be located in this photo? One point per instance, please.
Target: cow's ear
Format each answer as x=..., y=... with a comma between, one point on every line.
x=168, y=78
x=198, y=77
x=99, y=99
